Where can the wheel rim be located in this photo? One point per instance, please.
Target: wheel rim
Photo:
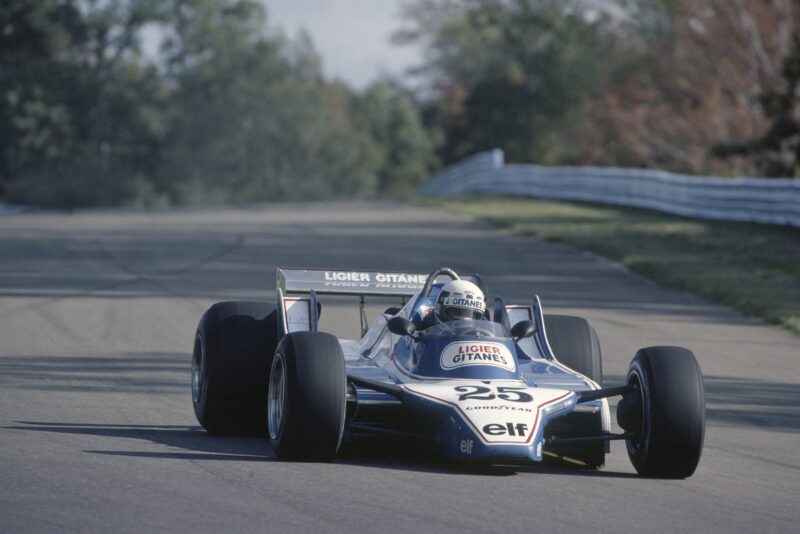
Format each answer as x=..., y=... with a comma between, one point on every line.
x=198, y=361
x=636, y=441
x=276, y=398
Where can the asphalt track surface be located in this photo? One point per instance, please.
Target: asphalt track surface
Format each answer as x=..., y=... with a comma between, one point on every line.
x=97, y=432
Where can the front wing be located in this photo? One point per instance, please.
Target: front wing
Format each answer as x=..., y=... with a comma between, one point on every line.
x=489, y=419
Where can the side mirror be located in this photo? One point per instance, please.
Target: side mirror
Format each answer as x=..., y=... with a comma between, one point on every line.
x=523, y=329
x=401, y=326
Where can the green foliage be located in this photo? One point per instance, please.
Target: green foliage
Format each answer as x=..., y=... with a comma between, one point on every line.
x=79, y=115
x=227, y=112
x=403, y=148
x=510, y=74
x=250, y=123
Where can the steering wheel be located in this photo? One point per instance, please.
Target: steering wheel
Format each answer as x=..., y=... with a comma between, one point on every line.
x=426, y=289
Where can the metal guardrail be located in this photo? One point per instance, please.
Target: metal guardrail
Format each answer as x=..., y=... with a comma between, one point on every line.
x=762, y=200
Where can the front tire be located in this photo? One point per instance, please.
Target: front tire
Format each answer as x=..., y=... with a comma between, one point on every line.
x=233, y=345
x=306, y=399
x=666, y=413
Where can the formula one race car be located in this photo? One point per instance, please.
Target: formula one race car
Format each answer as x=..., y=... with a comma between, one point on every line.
x=508, y=385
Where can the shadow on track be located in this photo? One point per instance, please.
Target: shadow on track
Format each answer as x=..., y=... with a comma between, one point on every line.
x=414, y=454
x=768, y=405
x=127, y=372
x=194, y=440
x=748, y=403
x=212, y=260
x=375, y=452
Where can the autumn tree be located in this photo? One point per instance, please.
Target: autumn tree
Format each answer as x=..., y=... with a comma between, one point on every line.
x=702, y=67
x=643, y=83
x=777, y=150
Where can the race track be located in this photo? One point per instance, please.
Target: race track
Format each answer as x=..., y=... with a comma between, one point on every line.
x=97, y=432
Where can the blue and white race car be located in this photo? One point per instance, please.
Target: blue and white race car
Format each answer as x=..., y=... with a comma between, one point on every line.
x=504, y=384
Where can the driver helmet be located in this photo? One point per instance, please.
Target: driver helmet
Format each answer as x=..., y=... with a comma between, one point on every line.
x=459, y=299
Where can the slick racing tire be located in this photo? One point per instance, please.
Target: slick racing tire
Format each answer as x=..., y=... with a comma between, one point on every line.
x=666, y=413
x=575, y=344
x=306, y=399
x=232, y=348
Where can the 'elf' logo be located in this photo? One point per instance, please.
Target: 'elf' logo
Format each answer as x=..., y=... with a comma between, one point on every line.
x=497, y=429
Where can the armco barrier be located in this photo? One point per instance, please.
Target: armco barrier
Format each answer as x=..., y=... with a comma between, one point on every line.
x=763, y=200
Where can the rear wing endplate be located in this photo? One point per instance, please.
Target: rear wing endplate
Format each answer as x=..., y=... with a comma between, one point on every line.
x=357, y=283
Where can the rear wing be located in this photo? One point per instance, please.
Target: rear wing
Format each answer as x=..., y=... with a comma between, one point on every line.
x=357, y=283
x=298, y=290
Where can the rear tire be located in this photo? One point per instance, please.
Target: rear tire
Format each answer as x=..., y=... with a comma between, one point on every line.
x=233, y=345
x=575, y=344
x=671, y=407
x=306, y=399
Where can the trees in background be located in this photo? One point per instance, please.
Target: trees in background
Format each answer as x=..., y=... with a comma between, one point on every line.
x=704, y=66
x=252, y=118
x=404, y=148
x=80, y=114
x=777, y=150
x=225, y=111
x=509, y=73
x=647, y=83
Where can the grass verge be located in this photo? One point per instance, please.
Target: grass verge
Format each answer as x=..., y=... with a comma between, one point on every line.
x=751, y=267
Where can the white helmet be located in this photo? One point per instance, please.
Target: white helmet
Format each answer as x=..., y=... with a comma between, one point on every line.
x=459, y=299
